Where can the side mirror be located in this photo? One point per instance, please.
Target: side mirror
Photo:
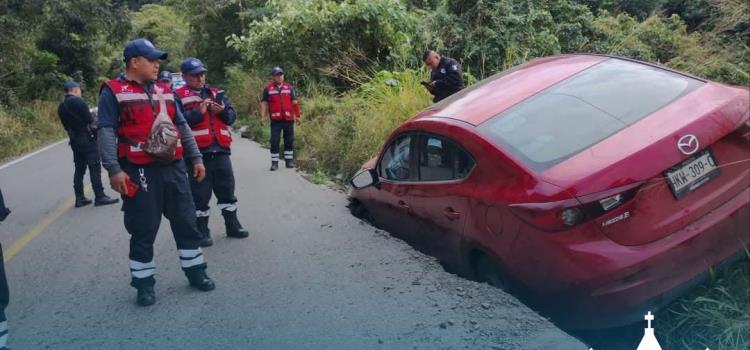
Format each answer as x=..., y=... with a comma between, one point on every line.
x=364, y=178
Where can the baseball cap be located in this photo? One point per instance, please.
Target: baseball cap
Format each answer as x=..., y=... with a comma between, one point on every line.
x=192, y=66
x=70, y=84
x=165, y=75
x=276, y=71
x=142, y=47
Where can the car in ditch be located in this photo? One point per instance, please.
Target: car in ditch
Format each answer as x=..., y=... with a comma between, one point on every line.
x=598, y=187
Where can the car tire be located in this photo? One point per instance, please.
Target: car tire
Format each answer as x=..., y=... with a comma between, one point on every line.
x=487, y=270
x=358, y=210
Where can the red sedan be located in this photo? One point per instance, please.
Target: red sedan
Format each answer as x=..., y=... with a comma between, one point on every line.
x=603, y=186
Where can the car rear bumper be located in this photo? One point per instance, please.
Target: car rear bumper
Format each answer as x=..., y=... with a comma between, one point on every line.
x=663, y=270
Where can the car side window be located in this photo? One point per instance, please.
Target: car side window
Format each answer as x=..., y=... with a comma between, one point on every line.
x=396, y=161
x=442, y=160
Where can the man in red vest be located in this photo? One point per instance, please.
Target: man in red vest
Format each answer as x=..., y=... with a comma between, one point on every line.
x=128, y=106
x=210, y=113
x=279, y=103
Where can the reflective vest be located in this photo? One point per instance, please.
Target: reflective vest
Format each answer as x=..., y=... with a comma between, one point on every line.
x=137, y=114
x=210, y=127
x=280, y=101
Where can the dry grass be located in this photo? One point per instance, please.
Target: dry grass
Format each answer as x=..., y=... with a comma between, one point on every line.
x=27, y=128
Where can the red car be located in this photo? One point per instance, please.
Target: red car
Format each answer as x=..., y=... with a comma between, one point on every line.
x=603, y=186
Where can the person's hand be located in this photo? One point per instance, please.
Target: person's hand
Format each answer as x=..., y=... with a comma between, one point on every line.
x=199, y=172
x=299, y=121
x=431, y=86
x=118, y=182
x=204, y=105
x=262, y=123
x=216, y=108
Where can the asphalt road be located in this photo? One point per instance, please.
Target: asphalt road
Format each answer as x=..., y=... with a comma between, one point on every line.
x=309, y=277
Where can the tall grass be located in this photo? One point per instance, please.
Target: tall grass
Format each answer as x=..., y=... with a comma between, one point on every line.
x=26, y=128
x=340, y=131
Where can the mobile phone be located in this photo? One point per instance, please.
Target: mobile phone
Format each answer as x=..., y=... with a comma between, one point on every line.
x=132, y=188
x=220, y=97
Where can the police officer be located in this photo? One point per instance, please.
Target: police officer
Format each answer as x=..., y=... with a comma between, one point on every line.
x=210, y=115
x=446, y=78
x=127, y=106
x=78, y=122
x=4, y=293
x=165, y=79
x=279, y=102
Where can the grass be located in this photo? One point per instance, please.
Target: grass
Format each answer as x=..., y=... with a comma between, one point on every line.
x=27, y=128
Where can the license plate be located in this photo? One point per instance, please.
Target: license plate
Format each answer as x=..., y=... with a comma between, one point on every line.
x=692, y=174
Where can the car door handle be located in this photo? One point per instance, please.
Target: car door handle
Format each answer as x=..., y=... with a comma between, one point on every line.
x=451, y=214
x=403, y=205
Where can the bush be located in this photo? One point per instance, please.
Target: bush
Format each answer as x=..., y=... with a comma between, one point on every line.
x=29, y=127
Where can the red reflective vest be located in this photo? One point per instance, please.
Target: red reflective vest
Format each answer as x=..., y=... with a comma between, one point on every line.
x=210, y=127
x=137, y=114
x=280, y=105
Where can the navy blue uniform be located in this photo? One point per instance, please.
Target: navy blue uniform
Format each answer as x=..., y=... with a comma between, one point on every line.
x=77, y=120
x=447, y=78
x=4, y=292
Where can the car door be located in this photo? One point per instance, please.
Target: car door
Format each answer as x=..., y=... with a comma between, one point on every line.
x=440, y=199
x=389, y=204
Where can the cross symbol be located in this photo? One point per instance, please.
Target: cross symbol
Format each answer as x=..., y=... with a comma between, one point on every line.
x=649, y=317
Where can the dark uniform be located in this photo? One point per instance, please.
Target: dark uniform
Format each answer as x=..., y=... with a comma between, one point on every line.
x=4, y=293
x=212, y=134
x=448, y=79
x=78, y=123
x=128, y=108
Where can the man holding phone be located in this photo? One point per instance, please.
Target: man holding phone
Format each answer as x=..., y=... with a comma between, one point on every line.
x=209, y=113
x=128, y=107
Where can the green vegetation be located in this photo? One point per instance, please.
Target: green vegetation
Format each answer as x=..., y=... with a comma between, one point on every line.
x=357, y=65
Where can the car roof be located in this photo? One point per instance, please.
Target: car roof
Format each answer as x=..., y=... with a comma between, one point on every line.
x=482, y=101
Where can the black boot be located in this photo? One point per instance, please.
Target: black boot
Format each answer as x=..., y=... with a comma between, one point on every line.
x=233, y=226
x=104, y=199
x=274, y=165
x=146, y=295
x=82, y=201
x=199, y=280
x=289, y=163
x=206, y=240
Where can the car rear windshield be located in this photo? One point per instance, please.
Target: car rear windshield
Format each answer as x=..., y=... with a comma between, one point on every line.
x=580, y=111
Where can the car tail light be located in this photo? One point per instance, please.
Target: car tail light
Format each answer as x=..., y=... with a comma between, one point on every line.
x=566, y=214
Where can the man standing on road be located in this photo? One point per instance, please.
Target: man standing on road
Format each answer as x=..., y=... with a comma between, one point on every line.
x=78, y=123
x=279, y=103
x=210, y=113
x=445, y=79
x=4, y=293
x=128, y=106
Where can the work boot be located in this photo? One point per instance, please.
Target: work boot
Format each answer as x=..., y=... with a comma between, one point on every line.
x=233, y=226
x=206, y=240
x=199, y=280
x=146, y=295
x=82, y=201
x=289, y=163
x=104, y=199
x=274, y=165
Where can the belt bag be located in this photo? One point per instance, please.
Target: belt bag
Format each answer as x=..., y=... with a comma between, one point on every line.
x=163, y=138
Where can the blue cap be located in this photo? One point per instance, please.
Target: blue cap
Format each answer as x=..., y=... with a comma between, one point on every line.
x=276, y=71
x=192, y=66
x=165, y=75
x=142, y=47
x=70, y=84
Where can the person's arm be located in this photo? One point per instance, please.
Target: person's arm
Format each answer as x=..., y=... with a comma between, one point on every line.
x=108, y=113
x=193, y=116
x=81, y=109
x=228, y=115
x=189, y=146
x=295, y=106
x=4, y=211
x=263, y=106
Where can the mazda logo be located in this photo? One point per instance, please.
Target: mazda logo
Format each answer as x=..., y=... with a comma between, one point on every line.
x=688, y=144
